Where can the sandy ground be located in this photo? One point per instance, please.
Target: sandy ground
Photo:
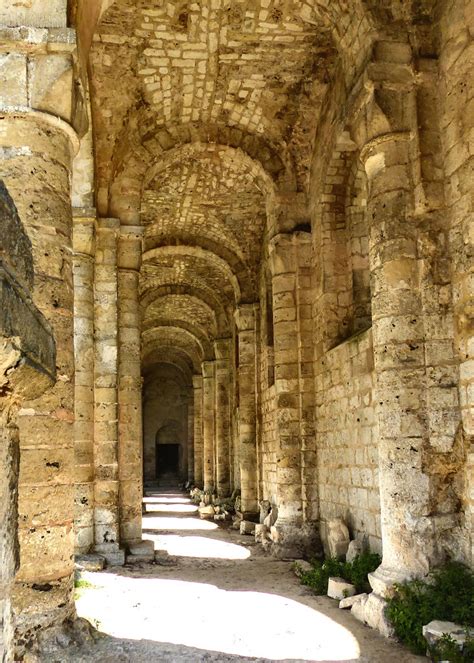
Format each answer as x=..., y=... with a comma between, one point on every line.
x=221, y=599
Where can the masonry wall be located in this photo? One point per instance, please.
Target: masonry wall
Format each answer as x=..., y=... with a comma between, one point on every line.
x=164, y=410
x=347, y=435
x=456, y=126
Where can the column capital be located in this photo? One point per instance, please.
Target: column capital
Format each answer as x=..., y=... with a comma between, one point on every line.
x=197, y=381
x=222, y=348
x=245, y=316
x=208, y=368
x=284, y=250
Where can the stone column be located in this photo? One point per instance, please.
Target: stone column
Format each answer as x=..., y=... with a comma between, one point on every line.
x=399, y=357
x=198, y=450
x=208, y=423
x=245, y=320
x=295, y=531
x=190, y=439
x=83, y=274
x=106, y=487
x=37, y=151
x=222, y=409
x=130, y=434
x=9, y=464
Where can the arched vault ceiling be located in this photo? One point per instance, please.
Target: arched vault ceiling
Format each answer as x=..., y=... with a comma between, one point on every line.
x=185, y=308
x=173, y=265
x=213, y=199
x=261, y=67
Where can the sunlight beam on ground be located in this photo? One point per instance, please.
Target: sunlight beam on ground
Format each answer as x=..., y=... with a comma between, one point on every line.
x=161, y=523
x=170, y=508
x=196, y=546
x=193, y=614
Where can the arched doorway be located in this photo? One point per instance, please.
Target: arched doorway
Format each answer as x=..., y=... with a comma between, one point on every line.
x=168, y=445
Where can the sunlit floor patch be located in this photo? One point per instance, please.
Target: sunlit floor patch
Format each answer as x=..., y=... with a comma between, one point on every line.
x=197, y=546
x=170, y=508
x=160, y=523
x=151, y=499
x=201, y=615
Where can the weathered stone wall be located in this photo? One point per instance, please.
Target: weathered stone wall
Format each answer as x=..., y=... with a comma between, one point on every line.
x=164, y=417
x=456, y=123
x=347, y=438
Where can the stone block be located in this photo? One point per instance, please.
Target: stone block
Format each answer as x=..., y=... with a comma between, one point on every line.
x=261, y=532
x=338, y=538
x=350, y=601
x=90, y=562
x=435, y=630
x=142, y=547
x=206, y=512
x=247, y=527
x=338, y=588
x=354, y=549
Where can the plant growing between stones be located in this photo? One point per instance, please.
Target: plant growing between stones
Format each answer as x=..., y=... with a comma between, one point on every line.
x=355, y=572
x=448, y=595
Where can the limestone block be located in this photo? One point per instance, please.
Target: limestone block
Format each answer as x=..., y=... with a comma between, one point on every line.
x=338, y=588
x=350, y=601
x=142, y=548
x=247, y=527
x=90, y=562
x=13, y=80
x=338, y=538
x=206, y=512
x=371, y=611
x=435, y=630
x=355, y=549
x=50, y=84
x=34, y=13
x=271, y=519
x=261, y=532
x=265, y=508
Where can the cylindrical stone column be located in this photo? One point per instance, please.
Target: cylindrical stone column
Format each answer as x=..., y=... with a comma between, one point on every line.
x=399, y=354
x=208, y=423
x=296, y=530
x=245, y=320
x=198, y=450
x=222, y=352
x=83, y=274
x=191, y=439
x=106, y=486
x=130, y=457
x=37, y=151
x=283, y=263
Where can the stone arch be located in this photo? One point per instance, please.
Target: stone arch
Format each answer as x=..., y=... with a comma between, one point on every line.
x=201, y=294
x=183, y=337
x=191, y=327
x=239, y=288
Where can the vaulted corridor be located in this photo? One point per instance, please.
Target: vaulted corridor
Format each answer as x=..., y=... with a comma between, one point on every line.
x=235, y=254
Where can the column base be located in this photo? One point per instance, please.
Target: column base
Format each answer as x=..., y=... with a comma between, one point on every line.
x=371, y=610
x=114, y=556
x=295, y=540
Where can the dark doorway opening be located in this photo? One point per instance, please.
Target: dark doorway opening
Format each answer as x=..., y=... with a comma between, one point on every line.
x=167, y=459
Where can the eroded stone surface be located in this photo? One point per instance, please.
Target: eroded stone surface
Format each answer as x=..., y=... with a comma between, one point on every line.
x=268, y=265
